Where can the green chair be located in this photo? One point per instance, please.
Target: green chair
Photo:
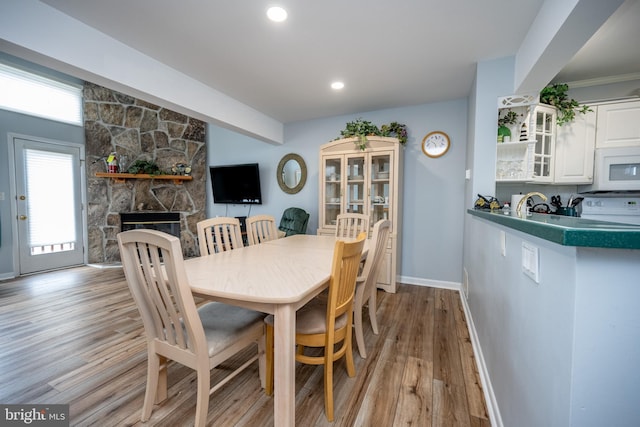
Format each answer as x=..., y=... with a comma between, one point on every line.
x=294, y=221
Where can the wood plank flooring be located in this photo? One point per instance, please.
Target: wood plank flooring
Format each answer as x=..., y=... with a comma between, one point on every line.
x=75, y=337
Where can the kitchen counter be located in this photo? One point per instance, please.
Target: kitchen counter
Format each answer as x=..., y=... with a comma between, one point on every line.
x=569, y=231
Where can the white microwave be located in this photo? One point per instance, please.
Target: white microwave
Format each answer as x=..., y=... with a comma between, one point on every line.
x=615, y=169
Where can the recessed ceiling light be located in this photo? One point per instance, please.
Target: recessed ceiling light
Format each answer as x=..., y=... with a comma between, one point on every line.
x=337, y=85
x=277, y=14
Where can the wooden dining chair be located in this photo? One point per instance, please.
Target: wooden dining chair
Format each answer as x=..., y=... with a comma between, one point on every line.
x=199, y=338
x=325, y=323
x=261, y=228
x=366, y=282
x=349, y=225
x=219, y=234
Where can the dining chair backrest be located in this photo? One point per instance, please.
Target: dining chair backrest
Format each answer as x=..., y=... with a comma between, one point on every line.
x=219, y=234
x=261, y=228
x=154, y=268
x=366, y=281
x=342, y=284
x=349, y=225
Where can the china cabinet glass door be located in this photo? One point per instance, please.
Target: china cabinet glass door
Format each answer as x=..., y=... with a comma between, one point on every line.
x=355, y=185
x=544, y=132
x=380, y=178
x=332, y=189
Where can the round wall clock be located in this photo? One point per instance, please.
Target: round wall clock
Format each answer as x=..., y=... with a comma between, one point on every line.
x=435, y=144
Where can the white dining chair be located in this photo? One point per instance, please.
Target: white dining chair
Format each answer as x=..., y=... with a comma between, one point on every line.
x=219, y=234
x=349, y=225
x=261, y=228
x=366, y=282
x=199, y=338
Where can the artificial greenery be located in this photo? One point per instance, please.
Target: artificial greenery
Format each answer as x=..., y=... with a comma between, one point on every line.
x=144, y=166
x=395, y=129
x=510, y=118
x=556, y=95
x=362, y=128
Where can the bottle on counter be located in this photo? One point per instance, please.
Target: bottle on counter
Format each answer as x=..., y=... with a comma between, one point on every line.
x=506, y=209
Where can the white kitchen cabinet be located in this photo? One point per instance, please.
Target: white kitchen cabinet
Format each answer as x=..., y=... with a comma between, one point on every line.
x=575, y=142
x=618, y=124
x=367, y=182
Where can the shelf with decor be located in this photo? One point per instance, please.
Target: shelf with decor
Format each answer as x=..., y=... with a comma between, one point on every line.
x=123, y=177
x=526, y=140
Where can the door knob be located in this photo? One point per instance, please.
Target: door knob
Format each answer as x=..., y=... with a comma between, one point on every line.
x=23, y=198
x=22, y=217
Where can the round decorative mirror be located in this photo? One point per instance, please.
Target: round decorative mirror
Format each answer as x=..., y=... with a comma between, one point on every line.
x=291, y=173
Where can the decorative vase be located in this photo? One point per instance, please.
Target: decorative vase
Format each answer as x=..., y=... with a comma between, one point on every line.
x=502, y=132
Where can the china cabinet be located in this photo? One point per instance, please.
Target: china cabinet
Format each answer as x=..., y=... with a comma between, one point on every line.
x=367, y=182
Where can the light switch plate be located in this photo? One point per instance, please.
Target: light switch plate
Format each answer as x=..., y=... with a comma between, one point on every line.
x=530, y=261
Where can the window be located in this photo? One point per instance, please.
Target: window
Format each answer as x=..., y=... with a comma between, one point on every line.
x=29, y=93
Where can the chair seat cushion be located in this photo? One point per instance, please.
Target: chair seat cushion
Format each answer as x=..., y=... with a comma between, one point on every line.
x=223, y=324
x=312, y=318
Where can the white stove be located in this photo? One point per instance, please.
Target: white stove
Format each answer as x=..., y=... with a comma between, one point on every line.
x=614, y=209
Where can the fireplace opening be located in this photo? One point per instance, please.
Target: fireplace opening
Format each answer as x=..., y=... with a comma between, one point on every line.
x=168, y=222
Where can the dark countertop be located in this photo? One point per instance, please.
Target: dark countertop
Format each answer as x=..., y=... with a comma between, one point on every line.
x=569, y=231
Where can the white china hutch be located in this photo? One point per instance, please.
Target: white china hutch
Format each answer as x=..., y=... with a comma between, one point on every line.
x=368, y=182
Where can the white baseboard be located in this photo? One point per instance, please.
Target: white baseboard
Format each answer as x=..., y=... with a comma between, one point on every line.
x=106, y=265
x=430, y=283
x=489, y=396
x=7, y=276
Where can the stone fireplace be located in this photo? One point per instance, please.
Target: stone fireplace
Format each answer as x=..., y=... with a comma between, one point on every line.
x=138, y=130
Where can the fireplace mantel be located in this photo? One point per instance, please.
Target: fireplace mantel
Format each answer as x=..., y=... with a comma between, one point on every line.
x=122, y=177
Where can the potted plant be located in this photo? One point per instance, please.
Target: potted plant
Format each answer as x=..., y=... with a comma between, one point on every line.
x=556, y=95
x=362, y=128
x=509, y=118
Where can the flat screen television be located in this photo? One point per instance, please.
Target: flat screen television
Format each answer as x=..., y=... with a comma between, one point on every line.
x=236, y=184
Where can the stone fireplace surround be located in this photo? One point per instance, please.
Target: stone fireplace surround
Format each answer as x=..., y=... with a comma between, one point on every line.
x=138, y=130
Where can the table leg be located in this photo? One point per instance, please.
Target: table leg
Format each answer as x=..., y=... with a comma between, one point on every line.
x=284, y=366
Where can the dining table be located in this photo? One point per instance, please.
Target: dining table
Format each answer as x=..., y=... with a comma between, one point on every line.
x=276, y=277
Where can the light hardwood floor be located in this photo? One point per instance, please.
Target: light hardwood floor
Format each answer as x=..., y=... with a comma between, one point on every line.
x=74, y=336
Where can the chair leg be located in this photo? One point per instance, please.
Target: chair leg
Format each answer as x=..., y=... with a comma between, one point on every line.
x=372, y=310
x=268, y=389
x=351, y=367
x=357, y=324
x=328, y=386
x=262, y=363
x=202, y=400
x=153, y=368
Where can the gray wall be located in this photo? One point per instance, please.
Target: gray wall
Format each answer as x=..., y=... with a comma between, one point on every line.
x=433, y=209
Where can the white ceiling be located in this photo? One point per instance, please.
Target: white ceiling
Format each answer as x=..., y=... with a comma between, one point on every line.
x=389, y=54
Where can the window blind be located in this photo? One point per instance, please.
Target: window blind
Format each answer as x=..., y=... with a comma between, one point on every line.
x=29, y=93
x=51, y=200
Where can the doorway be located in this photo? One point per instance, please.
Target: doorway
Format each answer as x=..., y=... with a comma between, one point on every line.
x=49, y=227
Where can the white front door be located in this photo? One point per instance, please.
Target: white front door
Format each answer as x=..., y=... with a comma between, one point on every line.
x=48, y=204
